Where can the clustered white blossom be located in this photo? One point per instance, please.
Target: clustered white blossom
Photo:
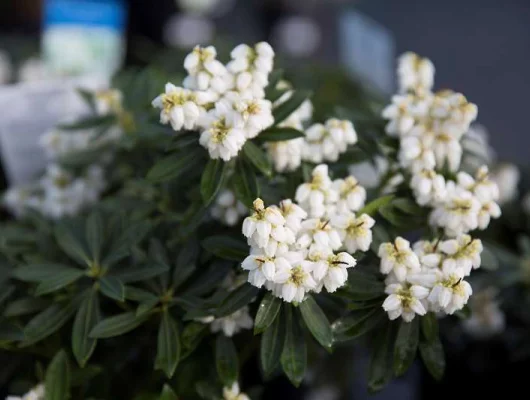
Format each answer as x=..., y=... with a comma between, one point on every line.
x=234, y=393
x=305, y=246
x=62, y=192
x=429, y=276
x=487, y=318
x=227, y=105
x=37, y=393
x=430, y=127
x=227, y=209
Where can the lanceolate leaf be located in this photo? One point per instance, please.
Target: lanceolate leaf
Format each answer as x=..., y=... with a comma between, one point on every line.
x=258, y=158
x=226, y=360
x=372, y=207
x=40, y=272
x=168, y=394
x=272, y=345
x=212, y=179
x=237, y=299
x=284, y=110
x=268, y=310
x=57, y=381
x=142, y=273
x=87, y=317
x=47, y=322
x=317, y=322
x=130, y=236
x=380, y=368
x=357, y=323
x=117, y=325
x=168, y=347
x=245, y=184
x=24, y=306
x=172, y=166
x=112, y=287
x=60, y=280
x=280, y=134
x=294, y=353
x=95, y=235
x=429, y=326
x=226, y=247
x=406, y=345
x=433, y=357
x=70, y=238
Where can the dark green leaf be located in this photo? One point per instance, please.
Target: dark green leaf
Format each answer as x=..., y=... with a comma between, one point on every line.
x=87, y=317
x=168, y=393
x=380, y=368
x=294, y=353
x=245, y=184
x=141, y=295
x=226, y=360
x=432, y=354
x=185, y=264
x=361, y=283
x=95, y=235
x=274, y=78
x=47, y=322
x=212, y=180
x=268, y=310
x=284, y=110
x=408, y=206
x=84, y=375
x=146, y=306
x=429, y=326
x=279, y=134
x=71, y=242
x=10, y=332
x=89, y=122
x=226, y=247
x=258, y=158
x=40, y=272
x=464, y=313
x=168, y=347
x=406, y=345
x=57, y=381
x=117, y=325
x=172, y=166
x=237, y=299
x=131, y=236
x=142, y=273
x=317, y=322
x=356, y=324
x=192, y=334
x=60, y=280
x=272, y=345
x=24, y=306
x=112, y=287
x=373, y=207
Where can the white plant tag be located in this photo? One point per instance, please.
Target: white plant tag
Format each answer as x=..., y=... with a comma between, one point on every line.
x=29, y=110
x=367, y=49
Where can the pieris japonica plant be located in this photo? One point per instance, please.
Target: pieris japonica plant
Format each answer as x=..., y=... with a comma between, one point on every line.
x=196, y=237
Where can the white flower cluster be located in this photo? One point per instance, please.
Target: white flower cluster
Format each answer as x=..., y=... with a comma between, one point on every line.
x=227, y=209
x=429, y=276
x=487, y=318
x=58, y=193
x=225, y=102
x=234, y=393
x=430, y=127
x=298, y=248
x=37, y=393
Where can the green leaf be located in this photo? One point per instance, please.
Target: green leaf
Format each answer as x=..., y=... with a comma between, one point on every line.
x=258, y=158
x=71, y=242
x=57, y=380
x=373, y=207
x=112, y=287
x=146, y=306
x=294, y=353
x=117, y=325
x=237, y=299
x=136, y=294
x=408, y=206
x=432, y=354
x=406, y=345
x=362, y=283
x=40, y=272
x=10, y=332
x=274, y=78
x=185, y=264
x=245, y=183
x=317, y=322
x=60, y=280
x=168, y=393
x=464, y=313
x=168, y=347
x=89, y=123
x=81, y=376
x=380, y=367
x=95, y=235
x=24, y=306
x=212, y=180
x=226, y=247
x=129, y=237
x=87, y=317
x=267, y=312
x=488, y=259
x=284, y=110
x=272, y=345
x=172, y=166
x=47, y=322
x=143, y=273
x=226, y=360
x=280, y=134
x=356, y=324
x=429, y=326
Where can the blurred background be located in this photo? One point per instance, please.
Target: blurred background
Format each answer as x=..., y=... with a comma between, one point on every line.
x=479, y=47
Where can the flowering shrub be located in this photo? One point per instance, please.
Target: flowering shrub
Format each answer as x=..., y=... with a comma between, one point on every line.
x=162, y=234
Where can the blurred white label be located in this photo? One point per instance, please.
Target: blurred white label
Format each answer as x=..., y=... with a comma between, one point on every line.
x=367, y=49
x=31, y=109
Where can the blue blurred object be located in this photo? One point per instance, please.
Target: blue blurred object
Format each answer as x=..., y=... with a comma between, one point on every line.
x=105, y=13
